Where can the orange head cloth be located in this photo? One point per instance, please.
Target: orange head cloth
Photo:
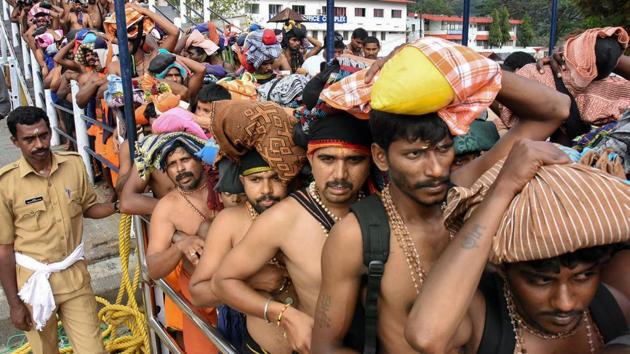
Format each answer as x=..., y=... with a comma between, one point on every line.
x=579, y=53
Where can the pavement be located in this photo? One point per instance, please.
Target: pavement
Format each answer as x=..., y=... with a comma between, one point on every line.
x=101, y=244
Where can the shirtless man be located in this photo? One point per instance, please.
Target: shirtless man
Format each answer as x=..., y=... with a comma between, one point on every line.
x=183, y=209
x=96, y=11
x=416, y=152
x=263, y=189
x=77, y=17
x=148, y=44
x=297, y=227
x=539, y=301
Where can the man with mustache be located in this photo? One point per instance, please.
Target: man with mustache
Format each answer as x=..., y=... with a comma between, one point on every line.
x=183, y=209
x=416, y=151
x=337, y=149
x=43, y=199
x=263, y=189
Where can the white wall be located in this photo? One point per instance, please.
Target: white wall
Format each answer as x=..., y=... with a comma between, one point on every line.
x=394, y=28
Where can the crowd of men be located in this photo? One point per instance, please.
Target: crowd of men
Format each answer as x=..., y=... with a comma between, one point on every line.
x=429, y=201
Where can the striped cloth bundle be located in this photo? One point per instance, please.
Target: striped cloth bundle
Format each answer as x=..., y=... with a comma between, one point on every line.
x=563, y=209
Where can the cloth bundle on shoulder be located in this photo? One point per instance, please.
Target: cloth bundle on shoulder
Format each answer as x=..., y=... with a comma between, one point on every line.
x=178, y=120
x=283, y=90
x=563, y=209
x=132, y=17
x=240, y=89
x=239, y=126
x=460, y=84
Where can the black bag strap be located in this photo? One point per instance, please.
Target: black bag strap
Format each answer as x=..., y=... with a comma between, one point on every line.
x=574, y=125
x=607, y=314
x=498, y=336
x=373, y=221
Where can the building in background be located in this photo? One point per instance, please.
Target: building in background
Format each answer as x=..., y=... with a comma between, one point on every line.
x=384, y=19
x=450, y=28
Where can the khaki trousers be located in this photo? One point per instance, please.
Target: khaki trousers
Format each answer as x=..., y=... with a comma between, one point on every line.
x=77, y=312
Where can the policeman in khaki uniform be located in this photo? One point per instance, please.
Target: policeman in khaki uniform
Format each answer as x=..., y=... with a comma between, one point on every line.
x=43, y=199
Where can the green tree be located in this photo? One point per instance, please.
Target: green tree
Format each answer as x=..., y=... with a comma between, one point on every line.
x=495, y=39
x=226, y=8
x=600, y=13
x=437, y=7
x=505, y=25
x=525, y=32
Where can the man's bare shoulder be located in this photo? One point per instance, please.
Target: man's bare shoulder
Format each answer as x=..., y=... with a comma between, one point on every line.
x=230, y=216
x=167, y=204
x=346, y=234
x=284, y=213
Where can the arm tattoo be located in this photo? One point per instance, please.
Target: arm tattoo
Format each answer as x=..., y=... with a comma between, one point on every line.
x=321, y=317
x=470, y=240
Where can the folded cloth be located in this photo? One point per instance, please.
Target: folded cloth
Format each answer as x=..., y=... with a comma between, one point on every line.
x=132, y=17
x=564, y=208
x=37, y=292
x=209, y=152
x=259, y=52
x=283, y=90
x=150, y=150
x=239, y=126
x=618, y=140
x=229, y=181
x=481, y=137
x=601, y=102
x=580, y=56
x=475, y=80
x=243, y=88
x=196, y=39
x=177, y=120
x=164, y=62
x=37, y=10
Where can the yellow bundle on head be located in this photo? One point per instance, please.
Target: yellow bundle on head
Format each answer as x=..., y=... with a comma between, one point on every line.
x=410, y=84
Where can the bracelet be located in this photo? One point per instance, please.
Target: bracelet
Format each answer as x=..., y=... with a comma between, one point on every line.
x=286, y=306
x=266, y=309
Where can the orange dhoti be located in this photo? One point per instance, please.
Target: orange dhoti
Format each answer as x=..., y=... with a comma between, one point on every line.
x=195, y=342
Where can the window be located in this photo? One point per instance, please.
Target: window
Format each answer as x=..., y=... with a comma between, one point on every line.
x=444, y=25
x=346, y=35
x=396, y=13
x=339, y=11
x=299, y=9
x=483, y=44
x=252, y=9
x=359, y=12
x=373, y=33
x=378, y=12
x=274, y=9
x=413, y=28
x=383, y=36
x=484, y=27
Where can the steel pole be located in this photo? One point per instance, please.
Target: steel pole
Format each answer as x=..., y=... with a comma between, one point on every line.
x=554, y=25
x=330, y=30
x=125, y=71
x=466, y=23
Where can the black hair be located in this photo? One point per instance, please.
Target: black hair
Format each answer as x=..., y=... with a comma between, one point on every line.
x=360, y=33
x=517, y=60
x=593, y=255
x=209, y=93
x=372, y=39
x=389, y=127
x=607, y=53
x=337, y=43
x=27, y=115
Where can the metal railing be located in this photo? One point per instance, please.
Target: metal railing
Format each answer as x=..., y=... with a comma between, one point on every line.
x=160, y=340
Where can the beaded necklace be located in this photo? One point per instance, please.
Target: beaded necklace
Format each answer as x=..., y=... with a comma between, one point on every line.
x=250, y=208
x=518, y=324
x=314, y=193
x=184, y=194
x=404, y=240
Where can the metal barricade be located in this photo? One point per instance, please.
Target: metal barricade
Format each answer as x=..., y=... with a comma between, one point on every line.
x=160, y=340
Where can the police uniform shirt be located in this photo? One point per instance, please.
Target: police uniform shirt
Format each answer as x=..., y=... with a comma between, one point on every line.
x=43, y=216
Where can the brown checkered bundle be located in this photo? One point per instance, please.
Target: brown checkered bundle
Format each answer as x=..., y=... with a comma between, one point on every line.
x=563, y=209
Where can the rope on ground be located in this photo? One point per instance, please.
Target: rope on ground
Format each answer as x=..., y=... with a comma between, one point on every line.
x=126, y=325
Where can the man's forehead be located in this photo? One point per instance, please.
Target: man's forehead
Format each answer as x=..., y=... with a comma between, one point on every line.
x=338, y=152
x=32, y=130
x=423, y=144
